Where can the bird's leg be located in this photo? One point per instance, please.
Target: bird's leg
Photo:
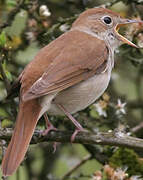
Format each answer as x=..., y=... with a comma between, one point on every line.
x=49, y=125
x=78, y=126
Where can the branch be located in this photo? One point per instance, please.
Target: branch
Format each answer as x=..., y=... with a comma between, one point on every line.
x=12, y=14
x=88, y=157
x=102, y=138
x=137, y=128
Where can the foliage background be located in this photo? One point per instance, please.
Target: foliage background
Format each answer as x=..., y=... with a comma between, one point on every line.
x=24, y=29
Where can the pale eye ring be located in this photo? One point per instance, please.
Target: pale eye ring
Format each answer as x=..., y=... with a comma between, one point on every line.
x=107, y=20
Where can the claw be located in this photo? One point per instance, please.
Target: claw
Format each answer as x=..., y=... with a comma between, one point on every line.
x=50, y=128
x=55, y=146
x=74, y=135
x=76, y=132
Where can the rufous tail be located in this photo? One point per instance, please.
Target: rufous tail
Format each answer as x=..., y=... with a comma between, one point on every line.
x=24, y=129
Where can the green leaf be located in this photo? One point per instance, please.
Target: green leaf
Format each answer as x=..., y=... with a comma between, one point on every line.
x=11, y=3
x=9, y=76
x=2, y=39
x=6, y=123
x=94, y=113
x=1, y=76
x=3, y=113
x=7, y=73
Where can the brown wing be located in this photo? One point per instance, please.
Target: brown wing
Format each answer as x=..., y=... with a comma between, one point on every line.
x=76, y=61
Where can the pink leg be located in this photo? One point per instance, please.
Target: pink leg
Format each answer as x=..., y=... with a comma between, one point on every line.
x=49, y=126
x=78, y=126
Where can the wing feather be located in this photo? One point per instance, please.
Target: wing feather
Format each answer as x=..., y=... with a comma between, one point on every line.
x=70, y=67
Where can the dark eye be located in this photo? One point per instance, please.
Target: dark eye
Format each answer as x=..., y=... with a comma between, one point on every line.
x=107, y=20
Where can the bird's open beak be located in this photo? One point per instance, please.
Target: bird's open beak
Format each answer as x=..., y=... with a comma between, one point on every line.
x=122, y=38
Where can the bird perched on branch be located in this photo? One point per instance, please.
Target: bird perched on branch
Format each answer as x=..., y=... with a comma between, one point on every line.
x=65, y=77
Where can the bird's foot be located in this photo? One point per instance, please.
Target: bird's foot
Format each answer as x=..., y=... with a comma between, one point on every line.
x=45, y=132
x=76, y=132
x=79, y=128
x=48, y=129
x=49, y=126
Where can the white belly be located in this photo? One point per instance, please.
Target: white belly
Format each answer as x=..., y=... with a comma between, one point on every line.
x=79, y=96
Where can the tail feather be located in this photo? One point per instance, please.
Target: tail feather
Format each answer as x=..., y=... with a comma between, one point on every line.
x=24, y=129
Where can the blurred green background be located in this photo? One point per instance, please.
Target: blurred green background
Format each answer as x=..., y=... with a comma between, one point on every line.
x=24, y=29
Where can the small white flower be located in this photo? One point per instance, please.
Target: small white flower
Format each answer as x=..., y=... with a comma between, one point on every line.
x=97, y=175
x=30, y=36
x=100, y=110
x=64, y=27
x=43, y=8
x=120, y=174
x=97, y=178
x=120, y=134
x=22, y=13
x=120, y=107
x=44, y=11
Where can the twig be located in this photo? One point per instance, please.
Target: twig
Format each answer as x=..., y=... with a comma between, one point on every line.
x=85, y=159
x=12, y=14
x=102, y=138
x=137, y=128
x=97, y=152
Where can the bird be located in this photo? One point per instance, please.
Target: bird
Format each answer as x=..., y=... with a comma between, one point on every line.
x=65, y=77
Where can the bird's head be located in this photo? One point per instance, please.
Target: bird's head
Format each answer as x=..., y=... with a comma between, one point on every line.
x=104, y=24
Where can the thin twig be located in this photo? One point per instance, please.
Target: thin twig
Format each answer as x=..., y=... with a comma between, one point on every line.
x=102, y=138
x=12, y=14
x=85, y=159
x=137, y=128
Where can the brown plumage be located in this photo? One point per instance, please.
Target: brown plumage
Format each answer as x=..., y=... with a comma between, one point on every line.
x=65, y=69
x=57, y=69
x=24, y=128
x=73, y=70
